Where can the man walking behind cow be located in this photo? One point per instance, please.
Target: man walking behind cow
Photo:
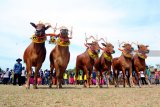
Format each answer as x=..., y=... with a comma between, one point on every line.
x=17, y=72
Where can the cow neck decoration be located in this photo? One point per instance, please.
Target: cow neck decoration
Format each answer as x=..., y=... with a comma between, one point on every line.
x=107, y=57
x=52, y=40
x=37, y=39
x=127, y=55
x=142, y=56
x=91, y=54
x=62, y=43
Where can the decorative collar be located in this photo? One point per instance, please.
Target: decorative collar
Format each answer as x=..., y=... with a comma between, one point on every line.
x=107, y=57
x=62, y=43
x=142, y=56
x=92, y=55
x=52, y=40
x=127, y=55
x=37, y=39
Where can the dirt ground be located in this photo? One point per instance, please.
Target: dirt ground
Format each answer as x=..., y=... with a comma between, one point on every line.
x=71, y=96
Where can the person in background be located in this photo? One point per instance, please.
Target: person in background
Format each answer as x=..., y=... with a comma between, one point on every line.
x=47, y=73
x=71, y=80
x=39, y=80
x=10, y=77
x=31, y=80
x=148, y=74
x=80, y=80
x=156, y=76
x=23, y=76
x=93, y=77
x=142, y=77
x=42, y=77
x=17, y=72
x=6, y=76
x=65, y=77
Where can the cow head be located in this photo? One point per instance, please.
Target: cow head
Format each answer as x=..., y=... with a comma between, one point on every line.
x=143, y=49
x=40, y=29
x=94, y=46
x=108, y=48
x=128, y=48
x=64, y=34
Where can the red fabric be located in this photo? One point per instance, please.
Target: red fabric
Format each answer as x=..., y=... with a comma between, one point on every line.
x=71, y=80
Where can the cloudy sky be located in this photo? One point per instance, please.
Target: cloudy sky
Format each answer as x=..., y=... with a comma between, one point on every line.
x=123, y=20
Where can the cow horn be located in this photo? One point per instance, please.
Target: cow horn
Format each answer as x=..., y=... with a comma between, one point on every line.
x=120, y=43
x=134, y=43
x=90, y=38
x=102, y=40
x=71, y=33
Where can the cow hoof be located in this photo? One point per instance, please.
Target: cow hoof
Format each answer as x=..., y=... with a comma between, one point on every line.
x=35, y=87
x=84, y=86
x=27, y=87
x=50, y=86
x=98, y=86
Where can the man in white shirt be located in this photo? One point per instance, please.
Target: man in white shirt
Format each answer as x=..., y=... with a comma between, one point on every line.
x=6, y=76
x=23, y=76
x=142, y=77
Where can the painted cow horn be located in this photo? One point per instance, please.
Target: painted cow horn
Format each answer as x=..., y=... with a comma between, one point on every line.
x=121, y=43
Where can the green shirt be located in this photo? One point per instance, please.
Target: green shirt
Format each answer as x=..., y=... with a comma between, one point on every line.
x=148, y=72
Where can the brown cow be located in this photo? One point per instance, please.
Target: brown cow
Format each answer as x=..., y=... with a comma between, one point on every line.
x=86, y=60
x=35, y=53
x=123, y=63
x=104, y=62
x=60, y=56
x=139, y=63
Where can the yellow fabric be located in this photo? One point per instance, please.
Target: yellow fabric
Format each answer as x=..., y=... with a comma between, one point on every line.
x=93, y=56
x=80, y=77
x=35, y=39
x=141, y=56
x=61, y=43
x=52, y=40
x=126, y=54
x=108, y=58
x=65, y=76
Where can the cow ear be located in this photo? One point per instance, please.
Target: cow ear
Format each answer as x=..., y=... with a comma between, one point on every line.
x=103, y=44
x=147, y=46
x=34, y=25
x=138, y=46
x=47, y=27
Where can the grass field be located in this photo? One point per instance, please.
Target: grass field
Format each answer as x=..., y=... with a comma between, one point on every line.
x=71, y=96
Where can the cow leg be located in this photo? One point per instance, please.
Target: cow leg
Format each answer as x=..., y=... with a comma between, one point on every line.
x=98, y=78
x=116, y=82
x=50, y=79
x=139, y=77
x=147, y=80
x=130, y=81
x=124, y=78
x=108, y=76
x=61, y=77
x=35, y=76
x=84, y=82
x=76, y=76
x=57, y=75
x=29, y=73
x=89, y=79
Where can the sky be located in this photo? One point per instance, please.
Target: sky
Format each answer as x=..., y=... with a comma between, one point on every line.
x=120, y=20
